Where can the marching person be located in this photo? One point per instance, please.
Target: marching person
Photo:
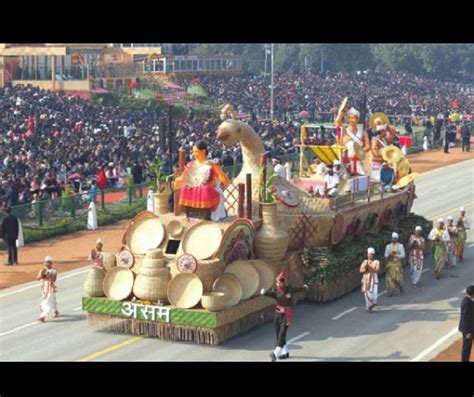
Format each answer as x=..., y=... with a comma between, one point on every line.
x=466, y=323
x=283, y=314
x=439, y=236
x=463, y=227
x=48, y=302
x=416, y=245
x=370, y=267
x=451, y=244
x=394, y=252
x=10, y=232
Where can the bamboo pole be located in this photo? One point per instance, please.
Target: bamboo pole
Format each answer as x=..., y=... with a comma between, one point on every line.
x=248, y=188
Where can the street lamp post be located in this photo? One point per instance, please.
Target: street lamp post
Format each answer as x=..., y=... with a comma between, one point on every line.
x=271, y=88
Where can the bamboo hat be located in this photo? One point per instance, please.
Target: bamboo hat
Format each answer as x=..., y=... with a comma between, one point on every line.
x=145, y=234
x=229, y=284
x=175, y=229
x=202, y=240
x=407, y=179
x=185, y=290
x=247, y=275
x=118, y=283
x=378, y=118
x=392, y=154
x=266, y=274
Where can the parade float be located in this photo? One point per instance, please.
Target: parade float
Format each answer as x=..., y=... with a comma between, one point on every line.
x=195, y=274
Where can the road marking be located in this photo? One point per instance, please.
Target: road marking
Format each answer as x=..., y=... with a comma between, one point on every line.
x=297, y=338
x=470, y=246
x=111, y=348
x=436, y=344
x=442, y=187
x=18, y=328
x=37, y=285
x=77, y=308
x=344, y=313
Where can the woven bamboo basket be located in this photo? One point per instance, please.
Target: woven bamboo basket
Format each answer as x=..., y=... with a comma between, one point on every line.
x=118, y=283
x=152, y=287
x=230, y=285
x=108, y=260
x=247, y=275
x=185, y=290
x=213, y=301
x=161, y=203
x=271, y=241
x=93, y=286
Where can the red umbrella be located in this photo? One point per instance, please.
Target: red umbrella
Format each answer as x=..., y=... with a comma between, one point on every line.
x=304, y=114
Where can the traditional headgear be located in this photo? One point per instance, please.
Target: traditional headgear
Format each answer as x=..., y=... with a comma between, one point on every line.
x=462, y=209
x=354, y=112
x=440, y=220
x=450, y=218
x=371, y=251
x=48, y=259
x=336, y=162
x=381, y=127
x=418, y=228
x=99, y=241
x=281, y=276
x=395, y=235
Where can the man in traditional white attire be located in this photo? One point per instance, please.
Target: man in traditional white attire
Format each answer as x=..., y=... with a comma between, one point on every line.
x=48, y=302
x=395, y=253
x=150, y=201
x=369, y=268
x=416, y=245
x=92, y=217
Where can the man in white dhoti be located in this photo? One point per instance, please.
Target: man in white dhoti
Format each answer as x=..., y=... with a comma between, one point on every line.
x=451, y=244
x=48, y=302
x=369, y=268
x=395, y=253
x=150, y=201
x=416, y=244
x=92, y=217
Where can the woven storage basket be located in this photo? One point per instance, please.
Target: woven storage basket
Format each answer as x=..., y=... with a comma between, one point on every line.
x=153, y=263
x=208, y=271
x=118, y=283
x=93, y=286
x=175, y=229
x=156, y=253
x=151, y=284
x=185, y=290
x=213, y=301
x=109, y=261
x=247, y=275
x=230, y=285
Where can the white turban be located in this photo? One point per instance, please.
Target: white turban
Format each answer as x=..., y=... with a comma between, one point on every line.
x=450, y=218
x=336, y=162
x=354, y=112
x=381, y=127
x=462, y=209
x=371, y=251
x=395, y=235
x=48, y=259
x=99, y=241
x=440, y=220
x=418, y=228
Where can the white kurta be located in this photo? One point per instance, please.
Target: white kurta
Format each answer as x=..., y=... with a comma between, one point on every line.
x=220, y=212
x=92, y=217
x=150, y=201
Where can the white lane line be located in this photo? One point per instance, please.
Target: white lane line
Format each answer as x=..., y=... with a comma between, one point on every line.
x=77, y=308
x=18, y=328
x=297, y=338
x=38, y=285
x=439, y=342
x=344, y=313
x=442, y=187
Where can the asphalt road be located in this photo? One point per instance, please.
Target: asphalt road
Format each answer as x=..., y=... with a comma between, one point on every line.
x=414, y=326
